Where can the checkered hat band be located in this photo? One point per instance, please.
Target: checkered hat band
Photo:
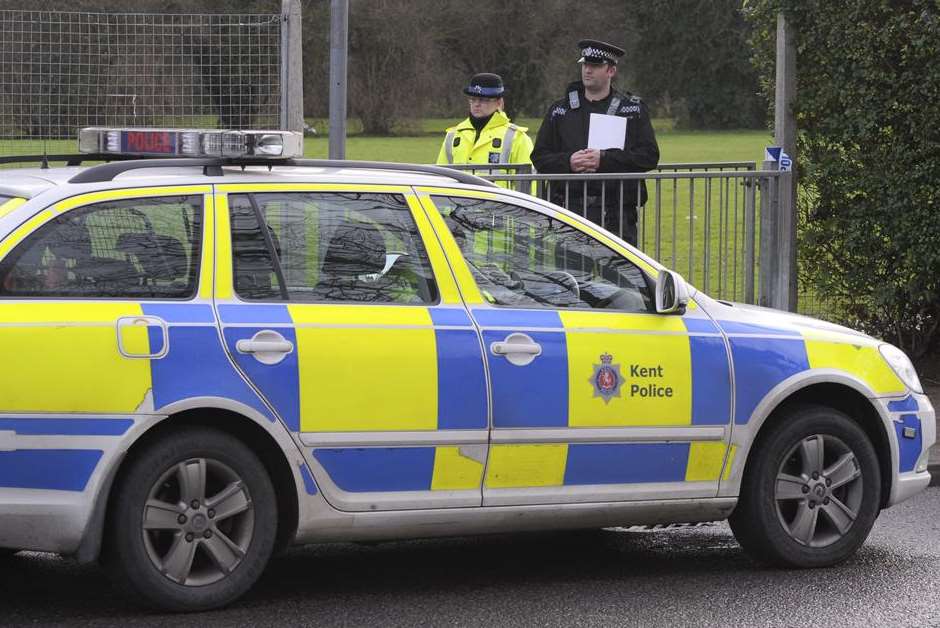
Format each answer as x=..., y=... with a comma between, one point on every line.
x=597, y=53
x=479, y=90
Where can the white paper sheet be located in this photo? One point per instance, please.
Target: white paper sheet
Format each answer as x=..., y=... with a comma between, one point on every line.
x=606, y=131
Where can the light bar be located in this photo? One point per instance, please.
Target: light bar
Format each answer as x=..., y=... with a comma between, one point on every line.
x=191, y=143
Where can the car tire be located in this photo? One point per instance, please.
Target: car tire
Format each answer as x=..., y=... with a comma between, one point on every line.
x=811, y=490
x=193, y=522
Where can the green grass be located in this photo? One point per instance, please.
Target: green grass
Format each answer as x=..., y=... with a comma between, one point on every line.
x=422, y=146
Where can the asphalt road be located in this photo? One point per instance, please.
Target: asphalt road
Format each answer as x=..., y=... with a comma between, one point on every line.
x=686, y=577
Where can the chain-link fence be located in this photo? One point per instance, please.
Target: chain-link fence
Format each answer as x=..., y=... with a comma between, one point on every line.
x=63, y=71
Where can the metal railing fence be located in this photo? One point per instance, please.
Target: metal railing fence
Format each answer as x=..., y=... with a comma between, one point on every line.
x=713, y=222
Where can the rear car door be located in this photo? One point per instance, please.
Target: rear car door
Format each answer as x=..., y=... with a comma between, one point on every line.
x=93, y=293
x=595, y=397
x=339, y=307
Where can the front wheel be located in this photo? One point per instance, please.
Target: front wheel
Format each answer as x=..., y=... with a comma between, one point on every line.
x=811, y=490
x=193, y=522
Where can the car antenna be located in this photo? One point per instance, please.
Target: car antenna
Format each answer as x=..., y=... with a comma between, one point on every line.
x=45, y=156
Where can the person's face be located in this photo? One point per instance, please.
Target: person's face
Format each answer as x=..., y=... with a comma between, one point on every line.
x=597, y=76
x=482, y=107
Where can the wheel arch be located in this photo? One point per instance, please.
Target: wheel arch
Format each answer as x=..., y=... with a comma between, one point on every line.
x=839, y=392
x=254, y=436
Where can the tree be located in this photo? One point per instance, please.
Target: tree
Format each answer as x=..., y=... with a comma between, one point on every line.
x=692, y=56
x=868, y=113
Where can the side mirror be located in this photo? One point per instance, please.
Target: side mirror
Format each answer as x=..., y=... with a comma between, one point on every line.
x=672, y=295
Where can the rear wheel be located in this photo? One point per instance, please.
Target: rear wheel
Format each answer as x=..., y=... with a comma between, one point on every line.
x=811, y=491
x=193, y=522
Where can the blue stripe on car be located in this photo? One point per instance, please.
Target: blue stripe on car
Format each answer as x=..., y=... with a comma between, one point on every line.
x=461, y=380
x=711, y=381
x=48, y=469
x=626, y=463
x=524, y=319
x=379, y=469
x=909, y=449
x=908, y=404
x=759, y=365
x=67, y=427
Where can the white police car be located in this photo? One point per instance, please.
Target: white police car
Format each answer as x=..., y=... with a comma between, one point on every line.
x=207, y=359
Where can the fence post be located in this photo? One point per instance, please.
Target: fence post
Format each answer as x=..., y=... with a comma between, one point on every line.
x=339, y=36
x=292, y=68
x=785, y=291
x=769, y=236
x=785, y=136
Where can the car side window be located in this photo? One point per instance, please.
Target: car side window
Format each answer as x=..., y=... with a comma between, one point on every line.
x=329, y=247
x=131, y=249
x=522, y=258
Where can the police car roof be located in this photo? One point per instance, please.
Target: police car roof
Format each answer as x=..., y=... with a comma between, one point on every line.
x=30, y=182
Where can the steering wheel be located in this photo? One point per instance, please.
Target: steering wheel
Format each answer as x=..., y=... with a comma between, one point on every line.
x=634, y=302
x=567, y=281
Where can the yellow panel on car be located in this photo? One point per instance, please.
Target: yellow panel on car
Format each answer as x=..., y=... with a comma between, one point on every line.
x=71, y=361
x=523, y=466
x=706, y=461
x=861, y=359
x=454, y=472
x=618, y=378
x=366, y=368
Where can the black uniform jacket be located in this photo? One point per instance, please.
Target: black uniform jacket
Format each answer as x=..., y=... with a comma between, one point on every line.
x=565, y=131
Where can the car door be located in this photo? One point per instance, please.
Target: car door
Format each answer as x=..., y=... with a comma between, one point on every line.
x=340, y=308
x=595, y=397
x=103, y=303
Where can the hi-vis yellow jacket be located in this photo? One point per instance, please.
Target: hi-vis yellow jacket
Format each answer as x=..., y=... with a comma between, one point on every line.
x=500, y=142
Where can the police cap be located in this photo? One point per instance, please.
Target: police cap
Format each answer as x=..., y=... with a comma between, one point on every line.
x=485, y=85
x=594, y=51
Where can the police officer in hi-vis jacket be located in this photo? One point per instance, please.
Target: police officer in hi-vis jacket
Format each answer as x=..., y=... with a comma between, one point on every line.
x=486, y=136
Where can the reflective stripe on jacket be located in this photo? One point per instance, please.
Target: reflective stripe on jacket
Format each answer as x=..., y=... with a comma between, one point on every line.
x=500, y=142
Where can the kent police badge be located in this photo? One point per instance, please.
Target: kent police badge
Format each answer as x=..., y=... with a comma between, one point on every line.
x=606, y=379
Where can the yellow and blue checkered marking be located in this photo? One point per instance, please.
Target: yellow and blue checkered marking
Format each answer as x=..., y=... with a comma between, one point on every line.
x=561, y=464
x=691, y=385
x=363, y=372
x=196, y=364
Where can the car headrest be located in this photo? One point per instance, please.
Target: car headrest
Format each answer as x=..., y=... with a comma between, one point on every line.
x=355, y=249
x=71, y=241
x=160, y=257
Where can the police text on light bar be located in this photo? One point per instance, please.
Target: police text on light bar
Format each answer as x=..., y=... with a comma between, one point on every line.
x=151, y=142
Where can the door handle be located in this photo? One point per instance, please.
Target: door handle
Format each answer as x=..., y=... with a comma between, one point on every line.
x=518, y=349
x=266, y=346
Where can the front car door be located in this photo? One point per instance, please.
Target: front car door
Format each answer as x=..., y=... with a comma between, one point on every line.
x=339, y=306
x=595, y=397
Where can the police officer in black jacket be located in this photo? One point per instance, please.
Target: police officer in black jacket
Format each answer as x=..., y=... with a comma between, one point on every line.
x=561, y=145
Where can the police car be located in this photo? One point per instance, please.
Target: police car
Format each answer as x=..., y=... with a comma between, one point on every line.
x=208, y=358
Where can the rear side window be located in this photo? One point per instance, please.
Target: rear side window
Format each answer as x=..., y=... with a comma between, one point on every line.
x=329, y=247
x=131, y=249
